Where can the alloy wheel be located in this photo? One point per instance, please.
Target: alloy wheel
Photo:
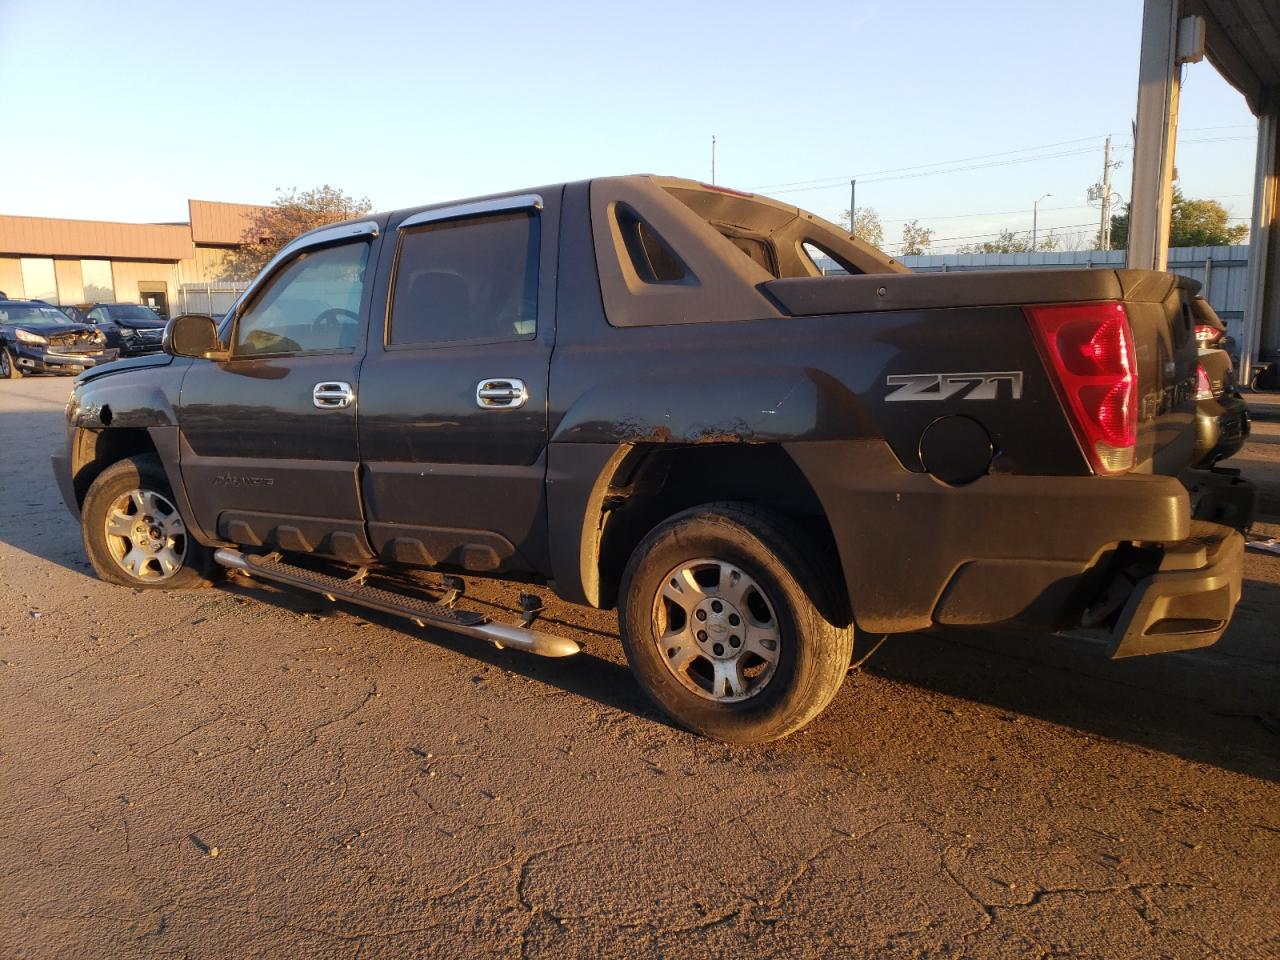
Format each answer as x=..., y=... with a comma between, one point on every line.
x=146, y=536
x=716, y=630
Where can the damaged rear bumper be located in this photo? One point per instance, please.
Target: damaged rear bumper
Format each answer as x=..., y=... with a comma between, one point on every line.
x=1188, y=601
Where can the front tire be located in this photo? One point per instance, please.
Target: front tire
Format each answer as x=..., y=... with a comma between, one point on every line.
x=8, y=366
x=133, y=533
x=726, y=619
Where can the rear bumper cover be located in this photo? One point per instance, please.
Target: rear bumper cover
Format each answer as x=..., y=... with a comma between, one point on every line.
x=1022, y=551
x=1188, y=601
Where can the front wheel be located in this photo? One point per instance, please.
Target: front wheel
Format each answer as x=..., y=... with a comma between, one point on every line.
x=133, y=533
x=8, y=366
x=726, y=620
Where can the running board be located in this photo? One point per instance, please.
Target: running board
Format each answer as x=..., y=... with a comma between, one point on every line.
x=422, y=612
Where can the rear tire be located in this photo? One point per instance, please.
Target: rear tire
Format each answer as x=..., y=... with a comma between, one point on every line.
x=133, y=533
x=722, y=620
x=8, y=366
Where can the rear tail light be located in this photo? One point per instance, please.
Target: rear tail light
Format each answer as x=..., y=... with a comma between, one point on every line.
x=1088, y=348
x=1204, y=389
x=1207, y=335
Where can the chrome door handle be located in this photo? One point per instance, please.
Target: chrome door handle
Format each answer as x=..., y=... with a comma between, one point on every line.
x=333, y=395
x=501, y=393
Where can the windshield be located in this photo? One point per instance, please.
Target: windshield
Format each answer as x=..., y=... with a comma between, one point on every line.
x=129, y=311
x=32, y=316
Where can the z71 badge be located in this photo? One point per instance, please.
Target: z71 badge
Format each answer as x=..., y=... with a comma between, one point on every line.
x=964, y=386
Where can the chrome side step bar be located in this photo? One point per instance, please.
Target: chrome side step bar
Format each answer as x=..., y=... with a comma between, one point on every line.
x=422, y=612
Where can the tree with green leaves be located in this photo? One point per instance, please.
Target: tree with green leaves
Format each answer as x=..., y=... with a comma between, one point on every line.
x=1008, y=241
x=915, y=239
x=1013, y=241
x=294, y=212
x=866, y=226
x=1193, y=223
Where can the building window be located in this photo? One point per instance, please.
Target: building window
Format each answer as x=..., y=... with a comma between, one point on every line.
x=38, y=279
x=99, y=286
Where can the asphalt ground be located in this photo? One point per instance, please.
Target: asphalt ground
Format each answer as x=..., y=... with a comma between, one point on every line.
x=248, y=772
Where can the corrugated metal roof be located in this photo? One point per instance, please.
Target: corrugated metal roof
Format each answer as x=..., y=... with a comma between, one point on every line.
x=222, y=223
x=1243, y=42
x=47, y=237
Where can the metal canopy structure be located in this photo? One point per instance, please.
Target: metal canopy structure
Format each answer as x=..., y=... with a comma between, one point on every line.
x=1241, y=38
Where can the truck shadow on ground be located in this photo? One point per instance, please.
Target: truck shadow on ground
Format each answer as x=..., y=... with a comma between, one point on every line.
x=587, y=675
x=1201, y=707
x=1204, y=706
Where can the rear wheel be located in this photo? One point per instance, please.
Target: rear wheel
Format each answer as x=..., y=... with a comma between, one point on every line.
x=723, y=624
x=133, y=533
x=8, y=366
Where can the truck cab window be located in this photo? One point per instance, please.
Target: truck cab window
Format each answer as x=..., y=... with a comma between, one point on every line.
x=473, y=279
x=312, y=304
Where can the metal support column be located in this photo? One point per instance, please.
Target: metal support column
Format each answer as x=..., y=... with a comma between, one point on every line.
x=1261, y=331
x=1158, y=85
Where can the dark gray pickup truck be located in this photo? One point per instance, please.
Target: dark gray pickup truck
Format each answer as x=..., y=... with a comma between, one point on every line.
x=641, y=392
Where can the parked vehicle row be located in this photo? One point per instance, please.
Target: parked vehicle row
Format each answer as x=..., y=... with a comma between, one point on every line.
x=38, y=337
x=641, y=393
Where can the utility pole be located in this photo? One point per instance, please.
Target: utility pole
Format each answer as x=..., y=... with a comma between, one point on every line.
x=853, y=206
x=1101, y=193
x=713, y=159
x=1035, y=219
x=1104, y=228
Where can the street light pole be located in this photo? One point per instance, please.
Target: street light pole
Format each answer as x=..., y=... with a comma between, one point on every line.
x=1035, y=217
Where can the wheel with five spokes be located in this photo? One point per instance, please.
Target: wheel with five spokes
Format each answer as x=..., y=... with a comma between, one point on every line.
x=727, y=622
x=133, y=532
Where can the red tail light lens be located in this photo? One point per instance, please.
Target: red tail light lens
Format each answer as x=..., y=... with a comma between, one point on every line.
x=1088, y=348
x=1207, y=335
x=1204, y=389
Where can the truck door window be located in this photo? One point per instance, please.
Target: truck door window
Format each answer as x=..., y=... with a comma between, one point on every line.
x=311, y=304
x=466, y=280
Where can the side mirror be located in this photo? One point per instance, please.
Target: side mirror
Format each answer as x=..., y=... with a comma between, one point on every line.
x=192, y=335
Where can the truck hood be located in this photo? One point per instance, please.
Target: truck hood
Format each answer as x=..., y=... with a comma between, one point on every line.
x=121, y=366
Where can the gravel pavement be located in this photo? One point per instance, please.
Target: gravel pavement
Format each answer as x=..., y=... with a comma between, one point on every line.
x=247, y=772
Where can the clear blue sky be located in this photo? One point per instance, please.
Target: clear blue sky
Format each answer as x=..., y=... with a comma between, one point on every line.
x=133, y=107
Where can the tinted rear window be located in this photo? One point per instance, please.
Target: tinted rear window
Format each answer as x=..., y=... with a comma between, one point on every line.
x=131, y=312
x=473, y=279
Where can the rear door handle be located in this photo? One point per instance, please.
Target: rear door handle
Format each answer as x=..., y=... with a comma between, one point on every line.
x=333, y=395
x=501, y=393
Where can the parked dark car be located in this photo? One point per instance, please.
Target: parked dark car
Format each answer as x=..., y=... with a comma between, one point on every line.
x=129, y=327
x=38, y=338
x=74, y=313
x=641, y=393
x=1222, y=415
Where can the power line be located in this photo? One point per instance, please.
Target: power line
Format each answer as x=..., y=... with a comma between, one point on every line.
x=987, y=213
x=962, y=169
x=936, y=163
x=924, y=170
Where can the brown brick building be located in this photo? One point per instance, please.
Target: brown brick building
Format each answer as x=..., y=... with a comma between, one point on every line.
x=83, y=261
